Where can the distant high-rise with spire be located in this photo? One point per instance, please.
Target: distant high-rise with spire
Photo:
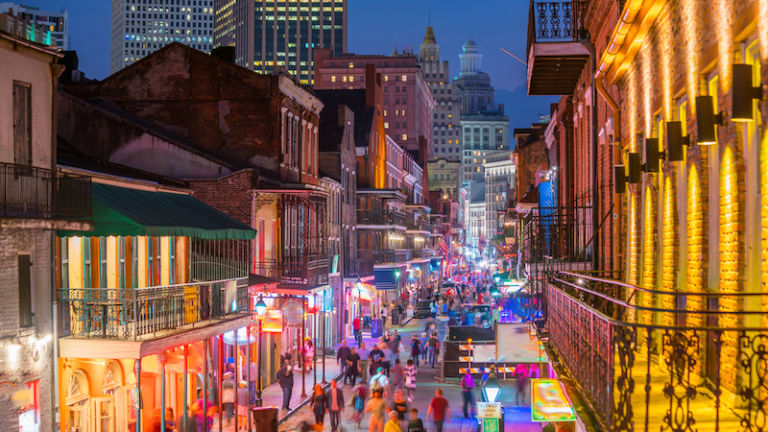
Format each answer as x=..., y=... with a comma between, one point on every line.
x=446, y=129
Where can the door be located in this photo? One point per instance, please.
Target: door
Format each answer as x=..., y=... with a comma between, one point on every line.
x=78, y=420
x=104, y=414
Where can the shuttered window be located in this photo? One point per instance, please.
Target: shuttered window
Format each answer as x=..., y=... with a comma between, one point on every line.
x=22, y=123
x=25, y=291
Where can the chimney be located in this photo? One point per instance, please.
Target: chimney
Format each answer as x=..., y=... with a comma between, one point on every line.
x=71, y=63
x=226, y=53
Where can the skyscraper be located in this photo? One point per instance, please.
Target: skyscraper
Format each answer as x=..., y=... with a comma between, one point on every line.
x=269, y=34
x=57, y=22
x=141, y=27
x=485, y=128
x=446, y=138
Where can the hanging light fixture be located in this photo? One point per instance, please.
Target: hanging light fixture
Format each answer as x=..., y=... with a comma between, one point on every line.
x=620, y=179
x=743, y=93
x=675, y=141
x=706, y=119
x=635, y=167
x=652, y=155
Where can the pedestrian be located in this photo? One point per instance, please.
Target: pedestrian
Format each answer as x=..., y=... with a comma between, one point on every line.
x=358, y=332
x=319, y=403
x=415, y=349
x=396, y=374
x=393, y=425
x=467, y=393
x=251, y=378
x=415, y=424
x=400, y=406
x=335, y=398
x=379, y=381
x=378, y=409
x=170, y=420
x=363, y=352
x=410, y=381
x=202, y=411
x=353, y=367
x=383, y=317
x=341, y=357
x=388, y=357
x=438, y=410
x=309, y=354
x=242, y=405
x=521, y=372
x=228, y=397
x=285, y=379
x=423, y=347
x=359, y=402
x=376, y=357
x=432, y=346
x=395, y=315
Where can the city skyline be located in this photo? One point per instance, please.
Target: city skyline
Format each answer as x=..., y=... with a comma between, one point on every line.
x=489, y=26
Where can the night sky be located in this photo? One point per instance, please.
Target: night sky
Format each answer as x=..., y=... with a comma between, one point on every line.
x=375, y=27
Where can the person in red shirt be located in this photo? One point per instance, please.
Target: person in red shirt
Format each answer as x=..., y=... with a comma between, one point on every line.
x=438, y=409
x=356, y=329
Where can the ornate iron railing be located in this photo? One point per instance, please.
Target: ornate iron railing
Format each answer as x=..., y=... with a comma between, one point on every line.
x=30, y=192
x=378, y=217
x=552, y=21
x=133, y=313
x=658, y=360
x=300, y=272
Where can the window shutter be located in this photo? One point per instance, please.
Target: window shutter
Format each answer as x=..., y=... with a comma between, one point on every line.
x=25, y=291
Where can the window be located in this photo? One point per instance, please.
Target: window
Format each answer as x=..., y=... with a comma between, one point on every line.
x=25, y=291
x=22, y=123
x=333, y=78
x=135, y=262
x=405, y=137
x=405, y=78
x=86, y=262
x=121, y=262
x=103, y=262
x=64, y=255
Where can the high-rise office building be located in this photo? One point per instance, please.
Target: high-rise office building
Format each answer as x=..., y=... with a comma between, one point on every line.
x=57, y=22
x=141, y=27
x=270, y=34
x=446, y=137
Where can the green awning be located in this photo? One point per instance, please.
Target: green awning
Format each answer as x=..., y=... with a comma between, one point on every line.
x=131, y=212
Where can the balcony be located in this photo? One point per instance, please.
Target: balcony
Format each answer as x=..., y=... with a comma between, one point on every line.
x=368, y=258
x=28, y=192
x=380, y=217
x=296, y=272
x=555, y=55
x=145, y=313
x=659, y=360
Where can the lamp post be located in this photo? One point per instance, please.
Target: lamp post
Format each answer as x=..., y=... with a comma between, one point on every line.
x=261, y=309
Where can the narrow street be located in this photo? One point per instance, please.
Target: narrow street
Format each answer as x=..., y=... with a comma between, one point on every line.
x=517, y=418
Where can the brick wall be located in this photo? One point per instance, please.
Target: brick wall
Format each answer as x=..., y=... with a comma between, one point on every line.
x=650, y=236
x=669, y=245
x=34, y=361
x=229, y=194
x=697, y=241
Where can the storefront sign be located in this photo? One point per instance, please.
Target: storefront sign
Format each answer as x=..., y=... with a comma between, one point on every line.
x=490, y=425
x=489, y=410
x=273, y=321
x=548, y=401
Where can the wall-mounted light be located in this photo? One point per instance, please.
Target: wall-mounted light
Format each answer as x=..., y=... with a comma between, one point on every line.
x=743, y=93
x=675, y=141
x=652, y=155
x=635, y=167
x=620, y=182
x=706, y=119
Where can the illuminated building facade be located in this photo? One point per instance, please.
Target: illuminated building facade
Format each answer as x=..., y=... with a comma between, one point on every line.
x=272, y=34
x=56, y=22
x=141, y=27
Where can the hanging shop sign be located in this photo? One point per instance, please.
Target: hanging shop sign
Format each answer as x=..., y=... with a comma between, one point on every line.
x=548, y=401
x=273, y=321
x=293, y=313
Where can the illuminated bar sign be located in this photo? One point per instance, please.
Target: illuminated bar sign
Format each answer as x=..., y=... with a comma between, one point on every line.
x=548, y=402
x=273, y=321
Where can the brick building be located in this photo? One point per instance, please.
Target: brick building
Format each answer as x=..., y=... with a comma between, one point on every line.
x=407, y=102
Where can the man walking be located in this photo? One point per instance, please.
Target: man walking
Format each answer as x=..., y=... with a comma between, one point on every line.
x=438, y=409
x=432, y=345
x=467, y=388
x=363, y=352
x=357, y=331
x=335, y=400
x=341, y=357
x=285, y=379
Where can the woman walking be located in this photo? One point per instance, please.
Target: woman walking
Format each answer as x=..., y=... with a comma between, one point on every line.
x=309, y=354
x=358, y=401
x=319, y=404
x=415, y=349
x=378, y=409
x=410, y=381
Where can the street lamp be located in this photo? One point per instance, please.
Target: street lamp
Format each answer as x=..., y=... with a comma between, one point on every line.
x=261, y=310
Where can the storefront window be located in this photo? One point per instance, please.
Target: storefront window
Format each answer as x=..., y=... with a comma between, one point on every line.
x=29, y=417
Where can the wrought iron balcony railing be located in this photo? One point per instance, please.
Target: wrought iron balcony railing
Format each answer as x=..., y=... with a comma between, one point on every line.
x=551, y=21
x=298, y=272
x=28, y=192
x=135, y=313
x=659, y=360
x=378, y=217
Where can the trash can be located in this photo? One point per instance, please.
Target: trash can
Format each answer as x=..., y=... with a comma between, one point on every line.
x=376, y=330
x=264, y=419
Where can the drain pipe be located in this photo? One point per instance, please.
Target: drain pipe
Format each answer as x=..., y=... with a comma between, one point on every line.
x=590, y=47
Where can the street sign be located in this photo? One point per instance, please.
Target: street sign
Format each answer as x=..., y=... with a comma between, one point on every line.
x=489, y=410
x=490, y=425
x=548, y=401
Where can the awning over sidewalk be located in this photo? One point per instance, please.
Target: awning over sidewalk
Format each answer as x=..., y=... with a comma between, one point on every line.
x=131, y=212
